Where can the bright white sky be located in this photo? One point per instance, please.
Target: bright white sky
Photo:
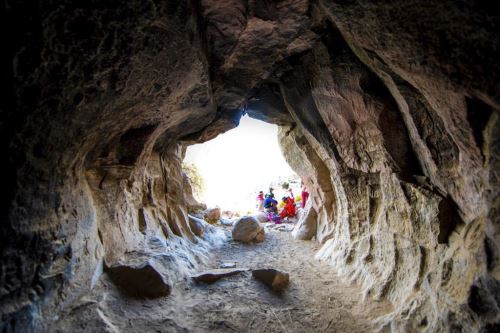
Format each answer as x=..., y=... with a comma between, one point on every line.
x=237, y=164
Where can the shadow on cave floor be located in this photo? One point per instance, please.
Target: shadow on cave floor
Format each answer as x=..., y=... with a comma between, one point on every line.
x=315, y=301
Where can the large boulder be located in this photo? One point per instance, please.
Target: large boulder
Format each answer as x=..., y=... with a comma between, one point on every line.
x=212, y=215
x=139, y=281
x=305, y=229
x=247, y=229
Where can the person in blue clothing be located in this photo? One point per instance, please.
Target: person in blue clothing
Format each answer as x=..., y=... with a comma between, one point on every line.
x=270, y=204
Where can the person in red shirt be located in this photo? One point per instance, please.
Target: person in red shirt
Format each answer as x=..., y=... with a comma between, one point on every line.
x=289, y=209
x=305, y=194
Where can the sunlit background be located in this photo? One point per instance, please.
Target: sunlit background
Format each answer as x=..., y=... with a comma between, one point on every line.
x=239, y=163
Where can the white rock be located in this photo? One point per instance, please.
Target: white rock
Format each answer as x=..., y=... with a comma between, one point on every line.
x=247, y=229
x=261, y=217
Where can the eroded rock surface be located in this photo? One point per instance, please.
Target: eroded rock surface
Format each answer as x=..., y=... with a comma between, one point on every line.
x=388, y=111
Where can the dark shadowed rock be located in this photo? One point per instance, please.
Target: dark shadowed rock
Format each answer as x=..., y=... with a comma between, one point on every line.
x=272, y=278
x=139, y=282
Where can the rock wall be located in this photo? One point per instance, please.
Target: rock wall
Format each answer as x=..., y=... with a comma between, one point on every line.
x=388, y=111
x=413, y=195
x=96, y=98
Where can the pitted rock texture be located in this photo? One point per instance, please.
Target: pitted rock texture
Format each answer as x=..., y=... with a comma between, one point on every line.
x=409, y=220
x=389, y=112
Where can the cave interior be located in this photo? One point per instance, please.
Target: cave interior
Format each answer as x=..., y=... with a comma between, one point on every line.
x=388, y=111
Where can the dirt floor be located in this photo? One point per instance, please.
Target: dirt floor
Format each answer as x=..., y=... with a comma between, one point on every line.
x=315, y=301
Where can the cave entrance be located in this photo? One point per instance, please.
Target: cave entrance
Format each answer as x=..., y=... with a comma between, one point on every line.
x=230, y=170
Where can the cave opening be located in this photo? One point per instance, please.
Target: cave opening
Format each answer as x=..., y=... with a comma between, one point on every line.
x=232, y=168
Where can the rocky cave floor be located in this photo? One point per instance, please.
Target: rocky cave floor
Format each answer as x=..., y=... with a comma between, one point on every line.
x=315, y=300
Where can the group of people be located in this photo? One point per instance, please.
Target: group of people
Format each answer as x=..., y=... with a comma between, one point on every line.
x=269, y=204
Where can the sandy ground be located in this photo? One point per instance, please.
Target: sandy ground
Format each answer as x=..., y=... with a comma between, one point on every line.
x=315, y=301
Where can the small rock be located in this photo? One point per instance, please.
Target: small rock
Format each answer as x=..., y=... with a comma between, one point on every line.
x=247, y=229
x=139, y=281
x=274, y=279
x=215, y=274
x=212, y=215
x=228, y=265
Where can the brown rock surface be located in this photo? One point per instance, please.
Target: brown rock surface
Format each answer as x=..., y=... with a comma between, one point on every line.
x=389, y=111
x=212, y=215
x=402, y=209
x=276, y=280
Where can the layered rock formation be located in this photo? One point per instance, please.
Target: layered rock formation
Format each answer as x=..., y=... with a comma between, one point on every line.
x=389, y=112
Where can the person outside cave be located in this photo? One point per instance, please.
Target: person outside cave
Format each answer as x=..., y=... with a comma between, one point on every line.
x=271, y=192
x=270, y=204
x=304, y=194
x=289, y=209
x=260, y=201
